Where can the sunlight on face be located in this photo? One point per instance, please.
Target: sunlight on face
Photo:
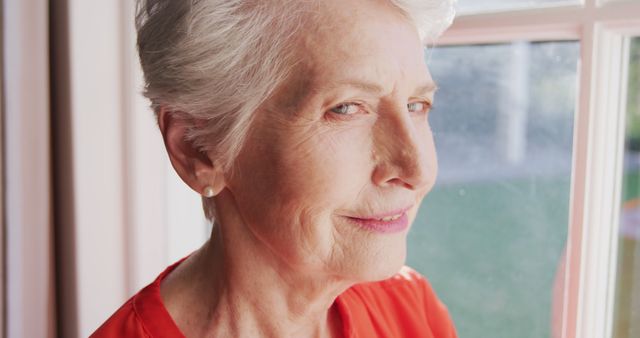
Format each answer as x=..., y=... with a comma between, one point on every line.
x=338, y=161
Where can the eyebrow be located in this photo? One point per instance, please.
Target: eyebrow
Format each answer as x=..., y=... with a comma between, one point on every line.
x=429, y=87
x=364, y=86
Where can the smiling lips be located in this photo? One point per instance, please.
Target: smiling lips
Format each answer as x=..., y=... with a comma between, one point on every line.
x=391, y=218
x=390, y=223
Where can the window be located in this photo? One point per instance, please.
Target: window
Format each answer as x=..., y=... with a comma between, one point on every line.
x=519, y=236
x=496, y=223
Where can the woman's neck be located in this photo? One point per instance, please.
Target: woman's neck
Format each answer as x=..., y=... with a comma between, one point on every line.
x=230, y=287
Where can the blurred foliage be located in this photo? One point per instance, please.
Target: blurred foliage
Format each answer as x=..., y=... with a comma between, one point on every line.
x=633, y=103
x=631, y=186
x=627, y=316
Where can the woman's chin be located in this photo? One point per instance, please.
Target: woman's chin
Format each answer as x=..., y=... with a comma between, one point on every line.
x=381, y=265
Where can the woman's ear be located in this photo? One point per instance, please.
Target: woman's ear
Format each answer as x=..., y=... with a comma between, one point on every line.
x=194, y=167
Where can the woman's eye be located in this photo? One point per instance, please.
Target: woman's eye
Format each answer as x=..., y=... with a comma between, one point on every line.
x=418, y=107
x=346, y=109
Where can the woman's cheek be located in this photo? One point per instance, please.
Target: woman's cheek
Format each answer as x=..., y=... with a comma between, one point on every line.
x=339, y=150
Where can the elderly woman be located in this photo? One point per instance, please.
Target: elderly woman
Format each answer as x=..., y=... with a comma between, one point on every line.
x=304, y=126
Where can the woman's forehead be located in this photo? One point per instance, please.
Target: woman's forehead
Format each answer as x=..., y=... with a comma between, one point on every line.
x=368, y=49
x=342, y=20
x=355, y=31
x=365, y=66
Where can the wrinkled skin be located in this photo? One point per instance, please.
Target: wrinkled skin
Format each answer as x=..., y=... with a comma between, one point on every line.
x=285, y=246
x=305, y=168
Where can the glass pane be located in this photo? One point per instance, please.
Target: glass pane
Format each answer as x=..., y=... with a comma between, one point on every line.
x=475, y=6
x=627, y=309
x=490, y=236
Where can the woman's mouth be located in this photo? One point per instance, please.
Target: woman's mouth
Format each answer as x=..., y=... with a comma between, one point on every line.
x=389, y=223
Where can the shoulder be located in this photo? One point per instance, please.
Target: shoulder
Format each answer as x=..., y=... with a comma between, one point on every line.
x=144, y=315
x=406, y=301
x=407, y=282
x=123, y=323
x=406, y=288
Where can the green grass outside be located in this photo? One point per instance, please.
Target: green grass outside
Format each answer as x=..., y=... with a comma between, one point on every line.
x=491, y=251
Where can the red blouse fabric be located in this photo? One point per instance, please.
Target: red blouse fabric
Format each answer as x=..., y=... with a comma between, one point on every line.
x=402, y=306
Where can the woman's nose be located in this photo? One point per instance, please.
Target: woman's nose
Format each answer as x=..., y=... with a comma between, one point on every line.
x=403, y=152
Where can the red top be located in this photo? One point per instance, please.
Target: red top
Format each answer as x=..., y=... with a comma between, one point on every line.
x=401, y=306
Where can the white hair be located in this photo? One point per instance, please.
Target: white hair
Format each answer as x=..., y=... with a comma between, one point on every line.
x=214, y=62
x=431, y=17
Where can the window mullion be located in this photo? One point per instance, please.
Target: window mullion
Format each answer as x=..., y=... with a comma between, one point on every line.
x=597, y=170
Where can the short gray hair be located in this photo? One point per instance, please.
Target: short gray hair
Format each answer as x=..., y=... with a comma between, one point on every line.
x=214, y=62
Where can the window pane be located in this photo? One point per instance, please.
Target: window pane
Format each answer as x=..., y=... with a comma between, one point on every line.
x=475, y=6
x=627, y=309
x=491, y=234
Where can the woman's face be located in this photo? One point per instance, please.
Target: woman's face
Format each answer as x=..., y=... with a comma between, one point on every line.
x=339, y=159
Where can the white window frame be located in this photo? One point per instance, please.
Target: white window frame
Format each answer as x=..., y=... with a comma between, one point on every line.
x=124, y=221
x=28, y=303
x=603, y=29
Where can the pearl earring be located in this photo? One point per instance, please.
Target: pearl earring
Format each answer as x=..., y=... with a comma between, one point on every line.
x=208, y=192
